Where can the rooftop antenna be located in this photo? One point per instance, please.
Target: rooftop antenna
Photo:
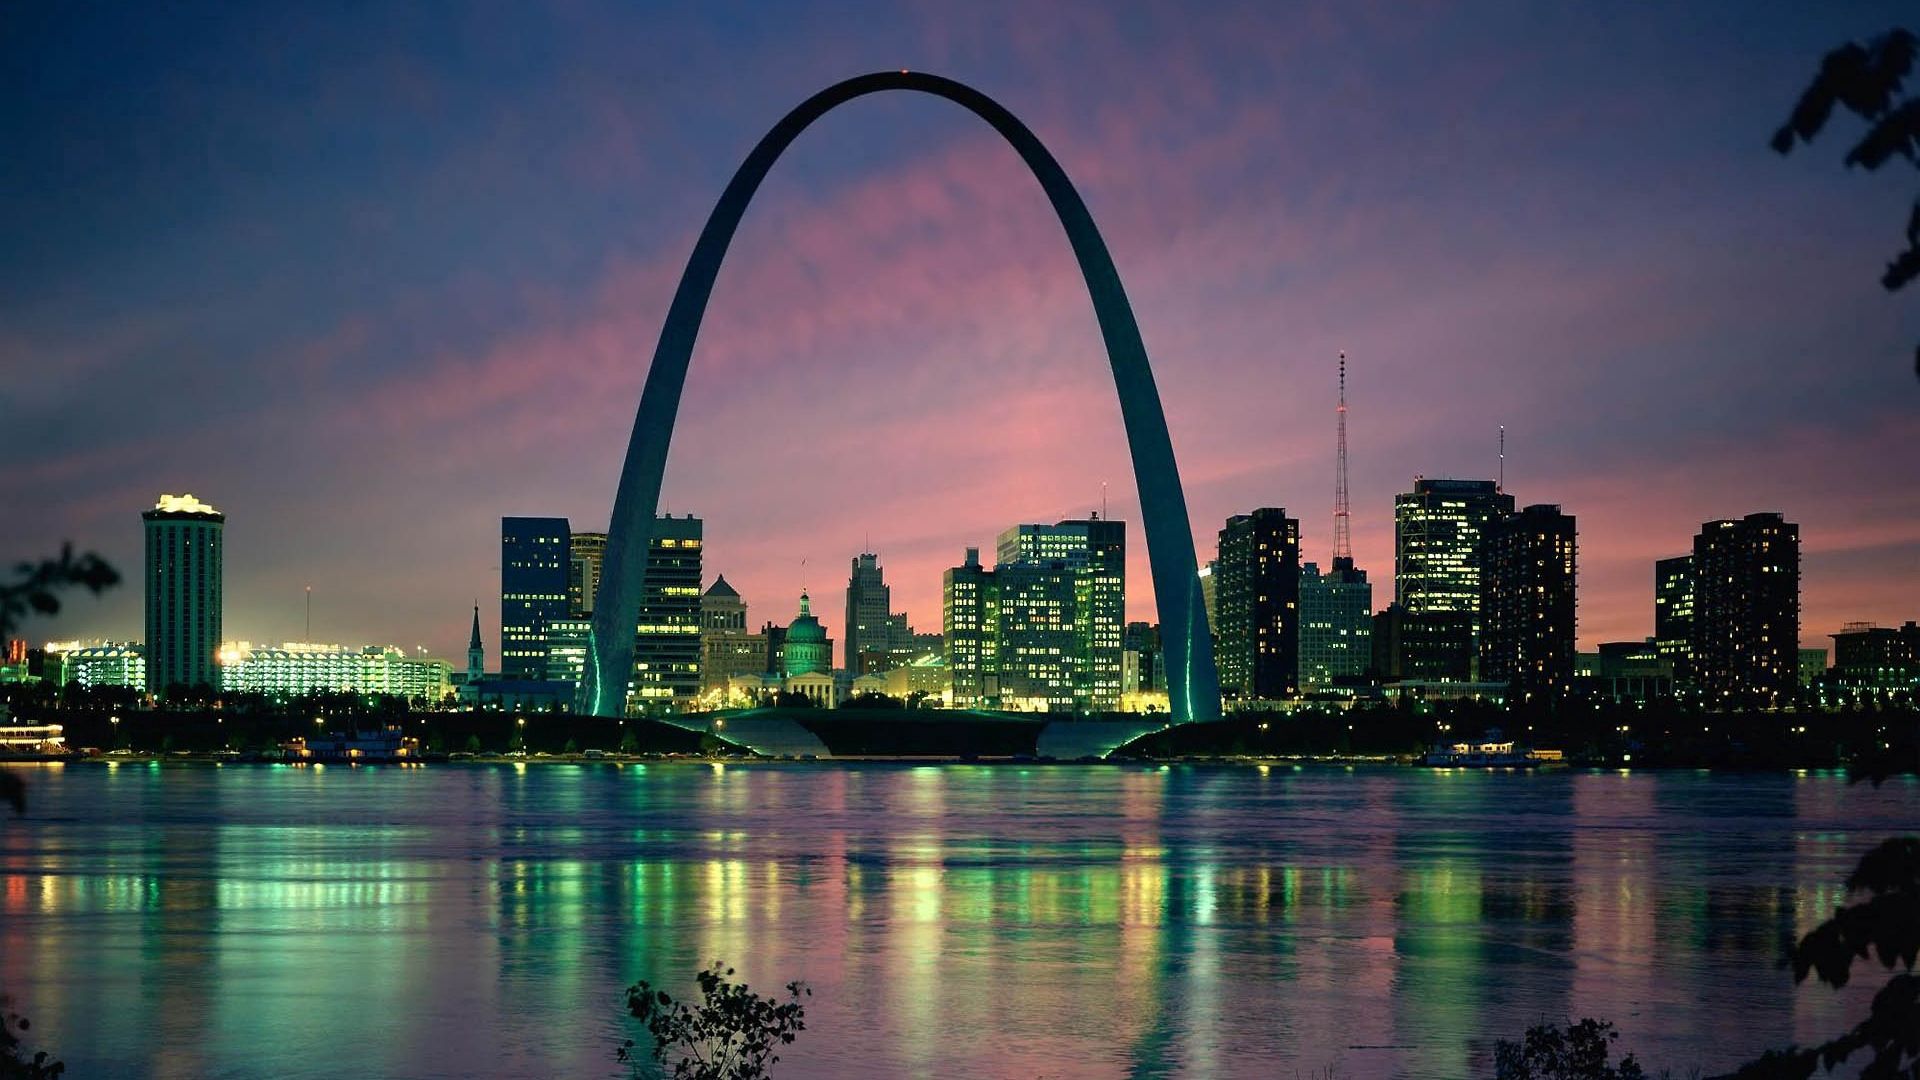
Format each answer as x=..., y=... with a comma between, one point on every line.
x=308, y=635
x=1501, y=484
x=1103, y=500
x=1342, y=531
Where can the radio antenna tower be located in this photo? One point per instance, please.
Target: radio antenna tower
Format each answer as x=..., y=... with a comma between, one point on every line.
x=1501, y=484
x=1342, y=534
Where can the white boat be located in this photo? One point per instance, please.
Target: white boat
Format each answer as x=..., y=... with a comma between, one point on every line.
x=1491, y=751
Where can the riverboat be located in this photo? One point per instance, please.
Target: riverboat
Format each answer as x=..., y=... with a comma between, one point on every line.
x=387, y=745
x=32, y=742
x=1491, y=751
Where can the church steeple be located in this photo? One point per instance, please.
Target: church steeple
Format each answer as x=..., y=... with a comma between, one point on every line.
x=476, y=653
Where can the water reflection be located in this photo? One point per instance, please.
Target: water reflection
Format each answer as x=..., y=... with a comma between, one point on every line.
x=952, y=920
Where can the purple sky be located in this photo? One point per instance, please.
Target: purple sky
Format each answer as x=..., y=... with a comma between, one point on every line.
x=370, y=281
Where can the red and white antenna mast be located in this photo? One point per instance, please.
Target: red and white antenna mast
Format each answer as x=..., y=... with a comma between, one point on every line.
x=1342, y=533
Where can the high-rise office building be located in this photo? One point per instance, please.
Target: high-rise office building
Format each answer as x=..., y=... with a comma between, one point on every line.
x=586, y=553
x=1142, y=663
x=1433, y=647
x=1095, y=551
x=970, y=621
x=1746, y=621
x=1527, y=633
x=533, y=591
x=1257, y=581
x=1439, y=531
x=568, y=641
x=874, y=632
x=1336, y=624
x=1040, y=637
x=1673, y=615
x=183, y=593
x=666, y=645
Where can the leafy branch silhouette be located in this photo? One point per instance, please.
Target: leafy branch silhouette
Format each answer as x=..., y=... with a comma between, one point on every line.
x=730, y=1035
x=1884, y=926
x=1869, y=80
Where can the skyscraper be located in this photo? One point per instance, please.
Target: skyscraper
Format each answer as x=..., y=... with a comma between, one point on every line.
x=1746, y=622
x=666, y=646
x=1039, y=636
x=586, y=552
x=1095, y=552
x=1673, y=615
x=1527, y=635
x=568, y=640
x=1439, y=530
x=184, y=539
x=1257, y=584
x=1142, y=659
x=969, y=620
x=870, y=623
x=533, y=591
x=1336, y=624
x=1434, y=647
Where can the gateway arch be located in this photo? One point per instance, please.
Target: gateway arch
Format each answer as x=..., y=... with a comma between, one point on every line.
x=1187, y=646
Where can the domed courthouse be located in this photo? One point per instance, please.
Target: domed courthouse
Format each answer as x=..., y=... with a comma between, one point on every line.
x=807, y=659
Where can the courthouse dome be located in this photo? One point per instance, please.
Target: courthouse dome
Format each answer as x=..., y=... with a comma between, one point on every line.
x=805, y=627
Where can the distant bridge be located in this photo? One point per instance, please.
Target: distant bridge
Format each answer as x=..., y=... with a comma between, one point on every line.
x=1192, y=683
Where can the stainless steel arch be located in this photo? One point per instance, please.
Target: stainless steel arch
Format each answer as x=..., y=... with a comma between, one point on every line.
x=1193, y=683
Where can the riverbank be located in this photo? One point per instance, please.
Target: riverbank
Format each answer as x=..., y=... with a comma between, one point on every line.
x=1612, y=737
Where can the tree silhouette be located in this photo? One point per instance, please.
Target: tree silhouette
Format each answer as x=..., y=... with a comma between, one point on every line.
x=40, y=1066
x=35, y=591
x=1886, y=926
x=1869, y=80
x=1577, y=1052
x=730, y=1035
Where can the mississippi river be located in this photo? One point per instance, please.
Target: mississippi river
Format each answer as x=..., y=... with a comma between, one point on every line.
x=952, y=920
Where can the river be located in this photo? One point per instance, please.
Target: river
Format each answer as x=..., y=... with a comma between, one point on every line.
x=951, y=920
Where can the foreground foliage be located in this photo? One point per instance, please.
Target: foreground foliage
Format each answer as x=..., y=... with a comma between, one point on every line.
x=14, y=1067
x=1883, y=925
x=1868, y=80
x=730, y=1035
x=1580, y=1051
x=38, y=585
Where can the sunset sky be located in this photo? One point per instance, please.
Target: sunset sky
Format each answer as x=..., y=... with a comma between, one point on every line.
x=369, y=281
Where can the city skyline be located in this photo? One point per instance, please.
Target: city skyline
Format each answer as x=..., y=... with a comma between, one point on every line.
x=1665, y=374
